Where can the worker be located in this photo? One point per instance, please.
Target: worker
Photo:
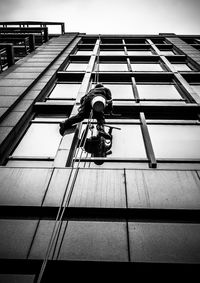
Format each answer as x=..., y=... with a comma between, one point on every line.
x=101, y=92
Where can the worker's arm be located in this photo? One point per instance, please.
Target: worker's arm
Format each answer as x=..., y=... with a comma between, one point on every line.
x=109, y=100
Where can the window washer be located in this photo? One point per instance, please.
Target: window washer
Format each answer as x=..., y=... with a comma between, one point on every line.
x=97, y=99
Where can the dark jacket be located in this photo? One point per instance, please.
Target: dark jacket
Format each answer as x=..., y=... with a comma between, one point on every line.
x=97, y=91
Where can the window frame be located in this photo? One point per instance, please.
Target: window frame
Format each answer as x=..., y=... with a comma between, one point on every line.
x=44, y=120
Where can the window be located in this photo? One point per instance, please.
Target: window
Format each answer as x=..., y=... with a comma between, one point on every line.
x=113, y=67
x=111, y=40
x=40, y=142
x=146, y=67
x=112, y=52
x=135, y=40
x=167, y=52
x=120, y=91
x=84, y=52
x=158, y=40
x=127, y=142
x=181, y=67
x=65, y=91
x=158, y=92
x=139, y=52
x=175, y=141
x=41, y=139
x=77, y=67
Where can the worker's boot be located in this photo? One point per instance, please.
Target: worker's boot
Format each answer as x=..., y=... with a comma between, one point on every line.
x=63, y=128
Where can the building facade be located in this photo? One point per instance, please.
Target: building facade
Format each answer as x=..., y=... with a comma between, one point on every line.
x=135, y=213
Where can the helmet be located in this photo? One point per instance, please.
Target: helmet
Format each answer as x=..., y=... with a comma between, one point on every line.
x=98, y=85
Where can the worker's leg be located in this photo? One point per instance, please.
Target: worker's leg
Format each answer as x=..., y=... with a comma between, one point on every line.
x=71, y=121
x=99, y=116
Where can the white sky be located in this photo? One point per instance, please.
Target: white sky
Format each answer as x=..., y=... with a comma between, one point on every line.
x=109, y=16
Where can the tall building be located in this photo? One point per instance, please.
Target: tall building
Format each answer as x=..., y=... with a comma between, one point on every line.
x=61, y=214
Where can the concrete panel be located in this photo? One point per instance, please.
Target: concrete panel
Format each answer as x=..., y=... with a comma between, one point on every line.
x=23, y=105
x=29, y=70
x=12, y=119
x=16, y=236
x=4, y=132
x=99, y=188
x=42, y=238
x=57, y=187
x=33, y=94
x=12, y=90
x=163, y=189
x=21, y=76
x=14, y=83
x=6, y=101
x=164, y=242
x=37, y=64
x=95, y=241
x=3, y=110
x=23, y=186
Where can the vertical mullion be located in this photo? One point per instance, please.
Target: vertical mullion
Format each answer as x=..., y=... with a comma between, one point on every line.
x=183, y=84
x=168, y=64
x=155, y=48
x=129, y=65
x=125, y=49
x=135, y=91
x=147, y=142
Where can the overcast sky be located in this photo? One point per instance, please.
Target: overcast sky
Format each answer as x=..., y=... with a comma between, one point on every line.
x=109, y=16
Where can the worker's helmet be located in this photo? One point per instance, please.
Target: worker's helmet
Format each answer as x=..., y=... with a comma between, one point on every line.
x=98, y=85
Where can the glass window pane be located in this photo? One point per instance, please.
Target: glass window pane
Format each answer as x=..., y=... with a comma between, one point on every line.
x=181, y=67
x=111, y=52
x=41, y=140
x=175, y=141
x=112, y=67
x=84, y=52
x=120, y=91
x=127, y=142
x=166, y=52
x=158, y=92
x=77, y=67
x=146, y=67
x=139, y=52
x=65, y=91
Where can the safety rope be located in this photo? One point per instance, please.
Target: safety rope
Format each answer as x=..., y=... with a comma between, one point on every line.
x=96, y=79
x=61, y=210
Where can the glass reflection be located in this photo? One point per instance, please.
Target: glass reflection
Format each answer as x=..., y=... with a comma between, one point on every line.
x=158, y=92
x=41, y=140
x=147, y=67
x=175, y=141
x=65, y=91
x=112, y=67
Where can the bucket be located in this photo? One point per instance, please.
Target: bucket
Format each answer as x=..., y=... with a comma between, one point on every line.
x=98, y=103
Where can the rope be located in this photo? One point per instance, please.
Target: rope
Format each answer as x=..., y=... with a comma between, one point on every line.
x=59, y=217
x=96, y=79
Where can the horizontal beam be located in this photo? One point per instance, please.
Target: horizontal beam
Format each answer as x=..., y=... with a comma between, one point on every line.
x=95, y=213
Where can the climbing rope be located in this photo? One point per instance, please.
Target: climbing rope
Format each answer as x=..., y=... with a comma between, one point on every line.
x=96, y=79
x=61, y=210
